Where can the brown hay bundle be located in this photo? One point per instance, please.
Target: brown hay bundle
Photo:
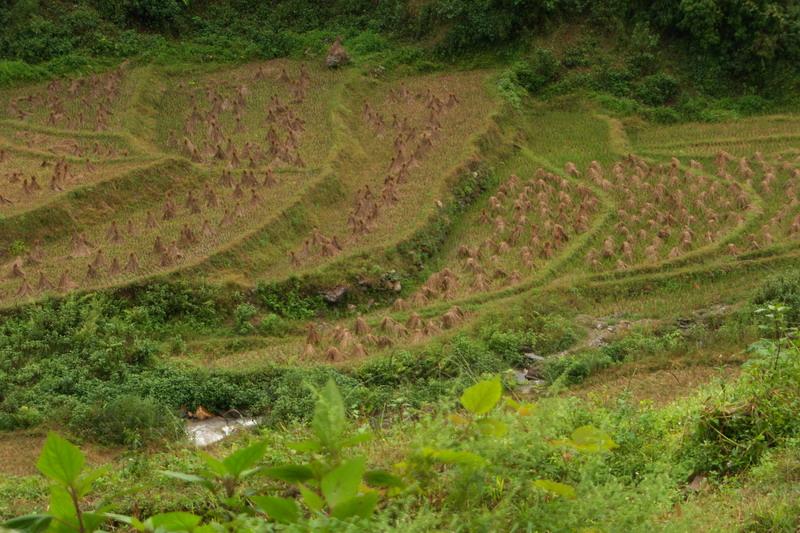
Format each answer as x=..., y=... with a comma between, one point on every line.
x=450, y=320
x=158, y=246
x=65, y=283
x=151, y=222
x=417, y=336
x=359, y=351
x=400, y=305
x=432, y=328
x=43, y=284
x=80, y=246
x=132, y=266
x=361, y=327
x=309, y=351
x=333, y=354
x=480, y=284
x=99, y=259
x=346, y=339
x=414, y=321
x=312, y=335
x=114, y=269
x=419, y=299
x=25, y=289
x=91, y=272
x=16, y=270
x=384, y=342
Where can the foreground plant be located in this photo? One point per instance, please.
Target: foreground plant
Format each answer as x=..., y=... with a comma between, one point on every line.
x=332, y=486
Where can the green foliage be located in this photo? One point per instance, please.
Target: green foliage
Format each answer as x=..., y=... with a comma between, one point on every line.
x=129, y=421
x=330, y=483
x=329, y=486
x=243, y=316
x=540, y=71
x=17, y=249
x=288, y=299
x=657, y=89
x=62, y=463
x=783, y=289
x=13, y=72
x=482, y=397
x=739, y=424
x=574, y=368
x=510, y=89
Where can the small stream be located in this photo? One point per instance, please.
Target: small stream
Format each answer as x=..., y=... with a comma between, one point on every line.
x=204, y=433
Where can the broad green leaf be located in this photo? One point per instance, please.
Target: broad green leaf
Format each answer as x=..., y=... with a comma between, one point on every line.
x=60, y=505
x=189, y=478
x=32, y=523
x=454, y=457
x=311, y=499
x=209, y=528
x=342, y=482
x=361, y=506
x=492, y=427
x=289, y=473
x=85, y=481
x=178, y=521
x=329, y=421
x=458, y=419
x=522, y=409
x=526, y=409
x=214, y=465
x=93, y=521
x=561, y=489
x=482, y=397
x=512, y=403
x=130, y=521
x=60, y=460
x=589, y=439
x=241, y=460
x=382, y=478
x=283, y=510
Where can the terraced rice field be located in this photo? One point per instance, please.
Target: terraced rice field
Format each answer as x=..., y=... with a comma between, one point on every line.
x=282, y=169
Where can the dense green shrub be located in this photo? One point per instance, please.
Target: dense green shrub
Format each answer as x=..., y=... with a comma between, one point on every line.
x=19, y=72
x=574, y=368
x=288, y=299
x=243, y=316
x=784, y=289
x=658, y=89
x=538, y=72
x=740, y=423
x=128, y=420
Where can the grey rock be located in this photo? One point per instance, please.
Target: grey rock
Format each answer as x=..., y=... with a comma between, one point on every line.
x=534, y=357
x=335, y=294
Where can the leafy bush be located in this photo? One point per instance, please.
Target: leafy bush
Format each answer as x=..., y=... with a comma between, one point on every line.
x=783, y=289
x=574, y=368
x=510, y=89
x=740, y=423
x=243, y=316
x=327, y=484
x=657, y=89
x=13, y=72
x=539, y=72
x=129, y=420
x=663, y=115
x=288, y=300
x=273, y=325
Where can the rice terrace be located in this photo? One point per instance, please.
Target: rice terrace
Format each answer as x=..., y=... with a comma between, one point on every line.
x=399, y=266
